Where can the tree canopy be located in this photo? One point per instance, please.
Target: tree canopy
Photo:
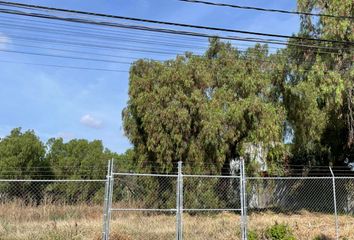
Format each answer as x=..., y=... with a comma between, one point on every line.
x=202, y=109
x=22, y=155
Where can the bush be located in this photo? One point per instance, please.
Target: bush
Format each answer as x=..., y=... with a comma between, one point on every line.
x=279, y=232
x=252, y=235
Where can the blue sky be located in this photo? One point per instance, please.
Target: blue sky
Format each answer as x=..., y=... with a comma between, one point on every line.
x=72, y=103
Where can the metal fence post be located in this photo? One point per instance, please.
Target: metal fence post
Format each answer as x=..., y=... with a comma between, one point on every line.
x=111, y=180
x=105, y=204
x=335, y=202
x=179, y=200
x=243, y=200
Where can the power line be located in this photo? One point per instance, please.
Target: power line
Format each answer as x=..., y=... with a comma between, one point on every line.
x=241, y=58
x=267, y=9
x=99, y=36
x=182, y=39
x=162, y=30
x=14, y=4
x=71, y=51
x=81, y=44
x=63, y=66
x=63, y=56
x=105, y=37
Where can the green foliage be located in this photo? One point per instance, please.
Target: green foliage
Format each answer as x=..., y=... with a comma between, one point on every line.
x=318, y=88
x=22, y=155
x=78, y=158
x=277, y=159
x=201, y=109
x=279, y=232
x=252, y=235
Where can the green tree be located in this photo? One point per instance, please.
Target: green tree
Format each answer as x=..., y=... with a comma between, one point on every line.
x=22, y=156
x=77, y=159
x=201, y=109
x=318, y=89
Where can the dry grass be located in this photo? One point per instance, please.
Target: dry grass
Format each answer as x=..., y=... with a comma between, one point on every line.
x=83, y=222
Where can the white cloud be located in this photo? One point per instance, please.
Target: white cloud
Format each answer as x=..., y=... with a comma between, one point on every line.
x=90, y=121
x=4, y=40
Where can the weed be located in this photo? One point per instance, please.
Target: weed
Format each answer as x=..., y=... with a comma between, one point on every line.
x=279, y=232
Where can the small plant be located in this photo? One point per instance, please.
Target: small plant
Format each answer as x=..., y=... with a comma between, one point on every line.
x=279, y=232
x=252, y=235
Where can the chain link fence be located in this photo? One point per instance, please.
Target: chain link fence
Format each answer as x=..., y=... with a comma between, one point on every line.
x=212, y=207
x=50, y=209
x=306, y=205
x=160, y=206
x=144, y=206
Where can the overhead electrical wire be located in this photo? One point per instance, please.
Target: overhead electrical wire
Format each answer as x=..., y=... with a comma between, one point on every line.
x=109, y=37
x=94, y=45
x=267, y=9
x=99, y=36
x=164, y=30
x=15, y=4
x=115, y=32
x=90, y=45
x=63, y=66
x=79, y=52
x=71, y=51
x=63, y=56
x=237, y=40
x=242, y=57
x=149, y=34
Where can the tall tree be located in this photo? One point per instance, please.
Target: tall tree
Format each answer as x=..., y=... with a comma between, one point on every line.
x=319, y=85
x=202, y=109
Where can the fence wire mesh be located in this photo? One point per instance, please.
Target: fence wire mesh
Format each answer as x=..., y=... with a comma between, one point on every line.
x=145, y=207
x=306, y=205
x=144, y=192
x=50, y=209
x=211, y=206
x=345, y=206
x=56, y=192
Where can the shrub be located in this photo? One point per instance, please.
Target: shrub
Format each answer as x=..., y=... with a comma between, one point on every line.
x=252, y=235
x=279, y=232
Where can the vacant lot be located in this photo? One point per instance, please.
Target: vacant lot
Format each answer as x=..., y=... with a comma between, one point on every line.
x=85, y=222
